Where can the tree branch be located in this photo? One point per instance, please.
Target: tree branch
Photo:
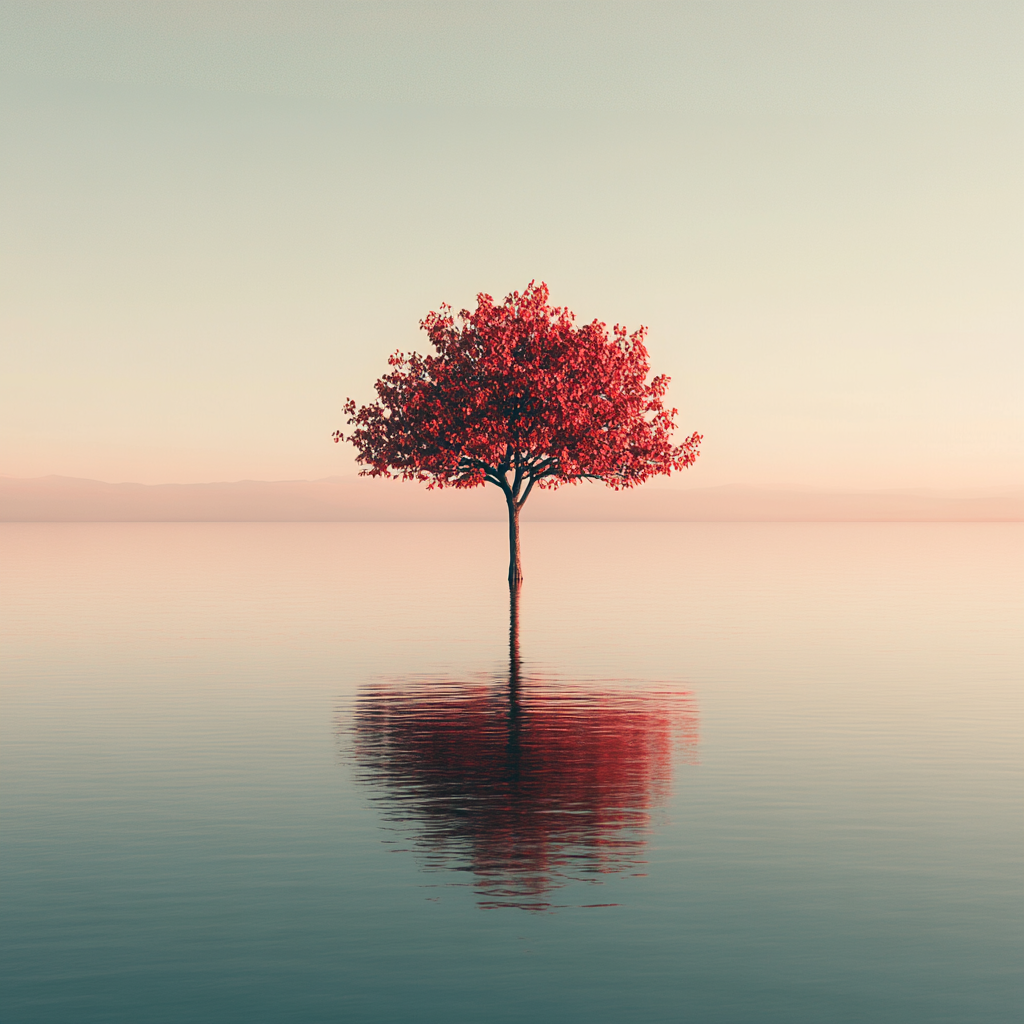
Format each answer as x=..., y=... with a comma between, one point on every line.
x=529, y=487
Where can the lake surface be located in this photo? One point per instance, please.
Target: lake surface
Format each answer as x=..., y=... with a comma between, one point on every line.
x=321, y=772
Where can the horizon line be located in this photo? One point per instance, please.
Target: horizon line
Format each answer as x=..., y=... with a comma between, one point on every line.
x=781, y=488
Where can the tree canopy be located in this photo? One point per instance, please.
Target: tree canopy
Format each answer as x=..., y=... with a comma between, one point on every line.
x=517, y=395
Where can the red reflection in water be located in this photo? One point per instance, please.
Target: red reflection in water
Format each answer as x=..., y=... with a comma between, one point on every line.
x=524, y=781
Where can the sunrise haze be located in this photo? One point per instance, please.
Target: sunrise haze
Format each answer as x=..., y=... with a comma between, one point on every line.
x=219, y=220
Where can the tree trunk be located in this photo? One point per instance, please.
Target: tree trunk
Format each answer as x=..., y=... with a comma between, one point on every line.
x=513, y=635
x=514, y=746
x=515, y=566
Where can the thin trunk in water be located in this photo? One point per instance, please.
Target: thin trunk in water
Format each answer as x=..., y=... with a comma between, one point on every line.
x=515, y=566
x=515, y=724
x=513, y=634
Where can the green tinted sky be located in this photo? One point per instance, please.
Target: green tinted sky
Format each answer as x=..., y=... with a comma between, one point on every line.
x=217, y=220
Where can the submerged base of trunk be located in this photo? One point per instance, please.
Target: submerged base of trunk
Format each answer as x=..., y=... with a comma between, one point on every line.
x=515, y=565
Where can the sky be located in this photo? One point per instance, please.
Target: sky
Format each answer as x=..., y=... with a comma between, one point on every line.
x=217, y=221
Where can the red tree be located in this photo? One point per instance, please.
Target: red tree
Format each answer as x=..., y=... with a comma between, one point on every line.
x=517, y=395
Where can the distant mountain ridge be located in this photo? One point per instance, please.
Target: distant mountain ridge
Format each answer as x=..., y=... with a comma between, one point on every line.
x=358, y=499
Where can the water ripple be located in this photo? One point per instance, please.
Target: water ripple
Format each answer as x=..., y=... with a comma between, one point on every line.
x=528, y=783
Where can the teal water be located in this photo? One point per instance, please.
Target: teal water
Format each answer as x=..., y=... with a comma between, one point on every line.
x=732, y=772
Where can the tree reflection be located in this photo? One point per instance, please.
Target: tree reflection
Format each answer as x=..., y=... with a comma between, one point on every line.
x=527, y=782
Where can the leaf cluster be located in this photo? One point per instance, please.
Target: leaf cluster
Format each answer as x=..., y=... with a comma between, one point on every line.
x=517, y=395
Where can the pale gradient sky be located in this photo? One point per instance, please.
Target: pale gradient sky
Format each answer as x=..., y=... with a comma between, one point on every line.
x=218, y=220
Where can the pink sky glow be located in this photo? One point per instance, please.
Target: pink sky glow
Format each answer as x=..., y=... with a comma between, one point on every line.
x=219, y=220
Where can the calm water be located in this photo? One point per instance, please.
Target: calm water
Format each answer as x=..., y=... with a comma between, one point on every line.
x=320, y=772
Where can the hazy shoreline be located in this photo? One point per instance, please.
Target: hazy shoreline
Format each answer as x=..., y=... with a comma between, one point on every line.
x=354, y=499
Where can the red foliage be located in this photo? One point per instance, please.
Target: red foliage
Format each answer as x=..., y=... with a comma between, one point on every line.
x=518, y=395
